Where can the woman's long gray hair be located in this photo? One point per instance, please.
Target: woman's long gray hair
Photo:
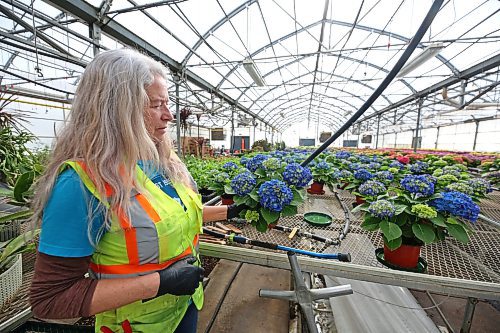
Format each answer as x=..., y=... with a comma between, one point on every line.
x=106, y=129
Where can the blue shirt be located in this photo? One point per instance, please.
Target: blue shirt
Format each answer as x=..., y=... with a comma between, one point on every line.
x=65, y=231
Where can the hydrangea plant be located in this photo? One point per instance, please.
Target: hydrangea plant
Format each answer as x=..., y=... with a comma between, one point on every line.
x=270, y=188
x=411, y=212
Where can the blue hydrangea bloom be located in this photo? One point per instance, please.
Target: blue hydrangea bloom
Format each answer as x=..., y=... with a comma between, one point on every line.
x=244, y=160
x=430, y=178
x=363, y=174
x=418, y=184
x=457, y=204
x=221, y=177
x=451, y=170
x=384, y=176
x=371, y=188
x=480, y=185
x=373, y=166
x=323, y=165
x=342, y=154
x=243, y=183
x=354, y=166
x=229, y=166
x=256, y=162
x=418, y=167
x=275, y=195
x=364, y=159
x=297, y=175
x=343, y=174
x=396, y=164
x=382, y=209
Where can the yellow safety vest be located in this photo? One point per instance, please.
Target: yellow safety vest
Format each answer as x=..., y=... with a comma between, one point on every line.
x=157, y=233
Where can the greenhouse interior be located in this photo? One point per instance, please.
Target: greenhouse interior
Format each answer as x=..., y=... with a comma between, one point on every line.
x=320, y=166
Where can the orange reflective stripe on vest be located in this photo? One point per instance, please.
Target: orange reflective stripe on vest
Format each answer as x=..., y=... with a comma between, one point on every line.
x=139, y=268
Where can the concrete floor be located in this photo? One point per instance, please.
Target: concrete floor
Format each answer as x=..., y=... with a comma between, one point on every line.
x=486, y=317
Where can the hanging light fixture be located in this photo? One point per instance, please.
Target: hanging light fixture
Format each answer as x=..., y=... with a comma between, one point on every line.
x=253, y=71
x=428, y=53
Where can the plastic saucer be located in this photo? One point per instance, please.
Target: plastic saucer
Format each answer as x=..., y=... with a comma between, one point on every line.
x=318, y=219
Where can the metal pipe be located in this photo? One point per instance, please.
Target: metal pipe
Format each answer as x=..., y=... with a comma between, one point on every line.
x=378, y=129
x=469, y=314
x=436, y=5
x=418, y=125
x=475, y=135
x=446, y=322
x=177, y=114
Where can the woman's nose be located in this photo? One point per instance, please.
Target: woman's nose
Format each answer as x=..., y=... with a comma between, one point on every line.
x=167, y=115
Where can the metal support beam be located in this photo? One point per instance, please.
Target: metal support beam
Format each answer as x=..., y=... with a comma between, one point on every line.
x=437, y=137
x=419, y=111
x=466, y=74
x=177, y=114
x=95, y=34
x=359, y=133
x=89, y=14
x=475, y=135
x=378, y=129
x=469, y=314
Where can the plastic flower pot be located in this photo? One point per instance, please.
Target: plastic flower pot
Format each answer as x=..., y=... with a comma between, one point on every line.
x=405, y=256
x=11, y=280
x=227, y=199
x=316, y=188
x=360, y=200
x=342, y=186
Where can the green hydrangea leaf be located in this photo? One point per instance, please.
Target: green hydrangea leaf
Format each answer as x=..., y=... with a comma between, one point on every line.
x=394, y=243
x=391, y=230
x=228, y=189
x=254, y=195
x=457, y=231
x=424, y=232
x=239, y=200
x=289, y=210
x=269, y=216
x=439, y=221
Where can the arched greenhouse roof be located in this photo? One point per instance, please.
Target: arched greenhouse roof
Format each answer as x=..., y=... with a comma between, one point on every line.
x=318, y=61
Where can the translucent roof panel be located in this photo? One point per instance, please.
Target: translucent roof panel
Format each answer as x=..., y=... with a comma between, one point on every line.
x=319, y=61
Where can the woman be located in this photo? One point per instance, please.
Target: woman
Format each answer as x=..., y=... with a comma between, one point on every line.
x=116, y=202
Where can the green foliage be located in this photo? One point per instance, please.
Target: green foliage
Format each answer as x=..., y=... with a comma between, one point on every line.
x=20, y=244
x=15, y=157
x=263, y=144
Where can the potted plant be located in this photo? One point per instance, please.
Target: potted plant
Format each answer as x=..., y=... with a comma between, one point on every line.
x=322, y=174
x=411, y=214
x=273, y=190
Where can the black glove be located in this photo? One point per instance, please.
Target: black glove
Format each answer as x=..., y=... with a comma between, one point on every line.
x=180, y=278
x=234, y=210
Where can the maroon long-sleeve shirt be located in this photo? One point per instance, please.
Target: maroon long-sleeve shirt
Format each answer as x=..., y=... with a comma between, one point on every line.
x=59, y=288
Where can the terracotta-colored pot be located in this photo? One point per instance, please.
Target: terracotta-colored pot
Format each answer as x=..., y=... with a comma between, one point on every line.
x=227, y=199
x=272, y=225
x=405, y=256
x=360, y=200
x=316, y=188
x=342, y=186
